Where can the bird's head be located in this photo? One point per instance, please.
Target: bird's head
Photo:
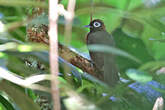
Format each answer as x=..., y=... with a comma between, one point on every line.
x=96, y=25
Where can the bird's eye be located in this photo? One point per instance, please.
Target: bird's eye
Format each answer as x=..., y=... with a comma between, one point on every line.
x=96, y=24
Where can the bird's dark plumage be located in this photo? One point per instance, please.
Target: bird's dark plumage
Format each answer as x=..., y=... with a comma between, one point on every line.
x=104, y=62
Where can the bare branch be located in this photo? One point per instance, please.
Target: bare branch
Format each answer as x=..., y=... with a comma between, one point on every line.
x=68, y=32
x=53, y=36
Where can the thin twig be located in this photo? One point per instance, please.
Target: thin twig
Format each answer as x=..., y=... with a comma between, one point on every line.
x=69, y=20
x=68, y=32
x=53, y=17
x=92, y=10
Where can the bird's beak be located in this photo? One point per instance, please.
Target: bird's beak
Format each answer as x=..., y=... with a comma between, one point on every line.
x=87, y=26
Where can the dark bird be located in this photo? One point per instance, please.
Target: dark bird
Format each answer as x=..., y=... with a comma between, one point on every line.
x=103, y=61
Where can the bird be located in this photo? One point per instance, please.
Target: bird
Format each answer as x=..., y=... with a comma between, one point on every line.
x=103, y=61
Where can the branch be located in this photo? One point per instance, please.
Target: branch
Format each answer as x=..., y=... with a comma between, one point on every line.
x=53, y=35
x=68, y=33
x=64, y=52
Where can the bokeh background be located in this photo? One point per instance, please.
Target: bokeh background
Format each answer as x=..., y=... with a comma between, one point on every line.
x=138, y=28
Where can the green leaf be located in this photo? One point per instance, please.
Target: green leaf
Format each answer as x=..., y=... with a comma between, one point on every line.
x=161, y=79
x=133, y=27
x=159, y=51
x=23, y=47
x=155, y=23
x=133, y=46
x=113, y=50
x=18, y=66
x=6, y=103
x=21, y=100
x=23, y=3
x=153, y=65
x=42, y=56
x=139, y=76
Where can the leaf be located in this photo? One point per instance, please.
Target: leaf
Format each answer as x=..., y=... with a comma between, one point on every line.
x=23, y=101
x=133, y=27
x=152, y=65
x=113, y=50
x=6, y=103
x=161, y=79
x=23, y=47
x=18, y=66
x=139, y=76
x=23, y=3
x=133, y=46
x=155, y=23
x=75, y=101
x=159, y=51
x=6, y=40
x=42, y=56
x=158, y=40
x=3, y=59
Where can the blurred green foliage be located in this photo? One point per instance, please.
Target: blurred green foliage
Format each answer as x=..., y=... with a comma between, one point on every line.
x=138, y=28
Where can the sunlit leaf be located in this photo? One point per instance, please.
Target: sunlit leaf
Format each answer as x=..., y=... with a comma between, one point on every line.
x=139, y=76
x=77, y=102
x=23, y=47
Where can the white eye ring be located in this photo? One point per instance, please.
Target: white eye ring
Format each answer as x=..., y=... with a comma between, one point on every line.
x=96, y=24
